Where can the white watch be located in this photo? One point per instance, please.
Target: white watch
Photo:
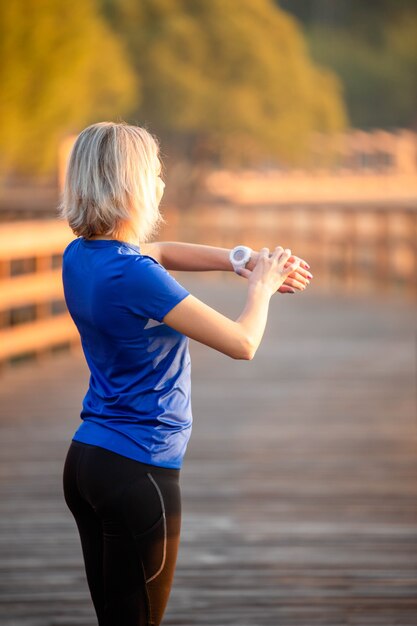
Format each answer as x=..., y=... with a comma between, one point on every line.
x=239, y=257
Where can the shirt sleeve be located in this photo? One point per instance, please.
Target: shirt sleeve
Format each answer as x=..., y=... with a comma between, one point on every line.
x=153, y=292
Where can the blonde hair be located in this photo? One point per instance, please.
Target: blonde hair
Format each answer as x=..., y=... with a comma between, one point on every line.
x=110, y=185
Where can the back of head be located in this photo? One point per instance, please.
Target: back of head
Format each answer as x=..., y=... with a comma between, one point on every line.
x=110, y=185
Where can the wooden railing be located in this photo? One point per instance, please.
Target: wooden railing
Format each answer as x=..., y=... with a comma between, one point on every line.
x=363, y=249
x=33, y=316
x=357, y=248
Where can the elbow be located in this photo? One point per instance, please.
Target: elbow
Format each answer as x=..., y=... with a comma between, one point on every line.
x=248, y=356
x=246, y=351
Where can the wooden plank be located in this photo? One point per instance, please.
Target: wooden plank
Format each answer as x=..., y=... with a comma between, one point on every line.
x=33, y=238
x=299, y=483
x=31, y=289
x=37, y=335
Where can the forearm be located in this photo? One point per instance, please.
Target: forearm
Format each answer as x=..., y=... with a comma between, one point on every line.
x=190, y=257
x=254, y=316
x=193, y=257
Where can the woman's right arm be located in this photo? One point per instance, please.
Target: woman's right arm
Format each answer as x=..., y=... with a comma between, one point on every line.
x=241, y=338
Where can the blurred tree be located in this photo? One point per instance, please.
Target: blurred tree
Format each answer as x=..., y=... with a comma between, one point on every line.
x=62, y=68
x=372, y=46
x=380, y=81
x=225, y=81
x=369, y=18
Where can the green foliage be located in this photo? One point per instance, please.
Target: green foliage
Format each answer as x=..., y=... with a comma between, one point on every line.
x=380, y=80
x=233, y=79
x=216, y=78
x=62, y=69
x=372, y=46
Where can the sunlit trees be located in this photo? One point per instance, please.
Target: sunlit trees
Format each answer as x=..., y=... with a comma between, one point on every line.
x=372, y=46
x=380, y=80
x=218, y=81
x=224, y=81
x=233, y=76
x=61, y=68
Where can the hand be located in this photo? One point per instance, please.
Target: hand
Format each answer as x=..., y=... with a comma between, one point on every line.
x=271, y=270
x=298, y=279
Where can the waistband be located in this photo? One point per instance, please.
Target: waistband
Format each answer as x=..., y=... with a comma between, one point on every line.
x=156, y=469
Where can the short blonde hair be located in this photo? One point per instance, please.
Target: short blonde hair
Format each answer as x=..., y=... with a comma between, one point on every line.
x=110, y=184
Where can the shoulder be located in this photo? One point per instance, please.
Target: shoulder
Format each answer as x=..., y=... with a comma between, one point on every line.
x=74, y=242
x=147, y=274
x=70, y=247
x=149, y=289
x=144, y=263
x=146, y=267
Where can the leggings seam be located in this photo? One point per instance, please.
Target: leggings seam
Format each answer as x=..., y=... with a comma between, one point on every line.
x=148, y=600
x=153, y=481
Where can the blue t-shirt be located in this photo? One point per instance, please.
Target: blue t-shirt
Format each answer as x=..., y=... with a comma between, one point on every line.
x=138, y=403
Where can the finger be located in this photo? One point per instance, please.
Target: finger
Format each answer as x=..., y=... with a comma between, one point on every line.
x=301, y=276
x=296, y=284
x=277, y=252
x=243, y=271
x=301, y=271
x=286, y=289
x=304, y=273
x=282, y=254
x=291, y=268
x=263, y=253
x=303, y=264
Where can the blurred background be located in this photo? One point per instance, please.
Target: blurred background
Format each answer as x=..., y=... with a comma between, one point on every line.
x=288, y=123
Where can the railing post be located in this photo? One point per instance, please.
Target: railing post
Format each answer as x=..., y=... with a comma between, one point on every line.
x=43, y=309
x=350, y=231
x=4, y=273
x=383, y=272
x=412, y=280
x=43, y=264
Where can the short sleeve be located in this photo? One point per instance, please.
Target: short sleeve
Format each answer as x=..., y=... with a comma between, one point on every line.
x=152, y=292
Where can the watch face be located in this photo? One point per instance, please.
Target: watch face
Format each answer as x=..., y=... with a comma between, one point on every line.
x=239, y=255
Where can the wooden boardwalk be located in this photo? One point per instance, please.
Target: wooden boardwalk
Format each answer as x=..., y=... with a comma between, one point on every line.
x=299, y=484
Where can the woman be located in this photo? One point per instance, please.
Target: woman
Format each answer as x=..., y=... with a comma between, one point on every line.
x=121, y=473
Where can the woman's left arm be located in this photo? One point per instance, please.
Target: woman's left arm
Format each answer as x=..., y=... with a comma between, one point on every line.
x=189, y=257
x=194, y=257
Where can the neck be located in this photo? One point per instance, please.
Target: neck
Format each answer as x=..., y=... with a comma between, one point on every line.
x=128, y=238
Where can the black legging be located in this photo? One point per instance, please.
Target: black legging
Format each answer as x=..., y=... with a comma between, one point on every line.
x=129, y=517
